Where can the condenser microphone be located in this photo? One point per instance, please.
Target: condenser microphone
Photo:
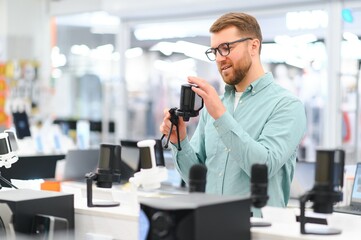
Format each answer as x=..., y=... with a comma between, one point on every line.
x=108, y=171
x=108, y=165
x=328, y=179
x=259, y=182
x=190, y=103
x=197, y=178
x=327, y=189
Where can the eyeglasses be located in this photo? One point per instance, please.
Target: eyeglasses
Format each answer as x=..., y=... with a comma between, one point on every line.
x=223, y=49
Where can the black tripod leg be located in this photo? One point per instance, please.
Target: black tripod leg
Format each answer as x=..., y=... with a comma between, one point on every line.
x=170, y=130
x=174, y=122
x=179, y=147
x=7, y=182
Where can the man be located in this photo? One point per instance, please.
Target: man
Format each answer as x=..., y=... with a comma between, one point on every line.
x=255, y=121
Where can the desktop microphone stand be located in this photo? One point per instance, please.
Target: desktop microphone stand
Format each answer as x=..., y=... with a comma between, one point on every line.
x=7, y=182
x=174, y=122
x=90, y=177
x=318, y=197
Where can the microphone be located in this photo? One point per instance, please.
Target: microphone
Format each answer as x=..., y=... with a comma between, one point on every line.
x=327, y=189
x=108, y=165
x=328, y=179
x=190, y=103
x=108, y=171
x=197, y=178
x=189, y=106
x=259, y=182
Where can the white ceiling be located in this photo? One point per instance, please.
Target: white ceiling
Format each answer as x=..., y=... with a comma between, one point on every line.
x=157, y=9
x=191, y=16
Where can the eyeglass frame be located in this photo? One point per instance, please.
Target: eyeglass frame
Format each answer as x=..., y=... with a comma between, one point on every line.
x=215, y=50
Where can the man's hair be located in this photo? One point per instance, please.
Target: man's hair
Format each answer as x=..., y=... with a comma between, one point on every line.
x=246, y=24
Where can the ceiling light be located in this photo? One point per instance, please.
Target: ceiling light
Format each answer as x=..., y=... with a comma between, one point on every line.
x=133, y=52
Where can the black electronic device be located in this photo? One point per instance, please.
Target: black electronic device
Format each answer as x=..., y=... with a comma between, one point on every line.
x=130, y=160
x=146, y=156
x=108, y=171
x=190, y=105
x=197, y=178
x=46, y=227
x=159, y=154
x=259, y=185
x=109, y=165
x=196, y=216
x=25, y=204
x=21, y=123
x=33, y=167
x=327, y=189
x=13, y=140
x=259, y=190
x=6, y=222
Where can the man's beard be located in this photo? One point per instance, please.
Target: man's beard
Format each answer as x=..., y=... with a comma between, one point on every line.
x=239, y=73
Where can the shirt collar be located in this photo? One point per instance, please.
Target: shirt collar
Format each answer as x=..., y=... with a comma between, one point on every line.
x=255, y=86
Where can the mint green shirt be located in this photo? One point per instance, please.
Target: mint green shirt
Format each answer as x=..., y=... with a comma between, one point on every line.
x=266, y=127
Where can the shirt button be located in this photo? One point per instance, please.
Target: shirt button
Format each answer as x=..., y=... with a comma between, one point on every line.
x=253, y=91
x=220, y=174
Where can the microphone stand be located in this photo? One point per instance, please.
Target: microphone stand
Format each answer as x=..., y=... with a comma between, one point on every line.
x=174, y=122
x=321, y=197
x=90, y=177
x=6, y=181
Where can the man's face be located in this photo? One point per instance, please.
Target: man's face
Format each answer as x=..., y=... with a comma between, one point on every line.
x=235, y=66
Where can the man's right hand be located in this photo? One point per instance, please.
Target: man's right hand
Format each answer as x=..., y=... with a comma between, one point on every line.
x=164, y=128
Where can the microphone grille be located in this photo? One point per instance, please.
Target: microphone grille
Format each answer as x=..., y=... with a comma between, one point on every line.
x=259, y=173
x=198, y=172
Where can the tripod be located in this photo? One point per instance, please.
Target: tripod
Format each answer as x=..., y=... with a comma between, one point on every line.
x=174, y=122
x=7, y=182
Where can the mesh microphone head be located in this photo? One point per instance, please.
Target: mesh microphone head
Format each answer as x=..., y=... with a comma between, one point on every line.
x=328, y=179
x=108, y=165
x=259, y=173
x=259, y=183
x=197, y=178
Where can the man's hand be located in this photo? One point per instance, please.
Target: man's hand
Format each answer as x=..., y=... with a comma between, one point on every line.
x=210, y=97
x=164, y=128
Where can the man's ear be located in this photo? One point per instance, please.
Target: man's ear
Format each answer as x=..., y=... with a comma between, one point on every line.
x=255, y=45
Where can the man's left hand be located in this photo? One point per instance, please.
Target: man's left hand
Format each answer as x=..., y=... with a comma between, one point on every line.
x=209, y=95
